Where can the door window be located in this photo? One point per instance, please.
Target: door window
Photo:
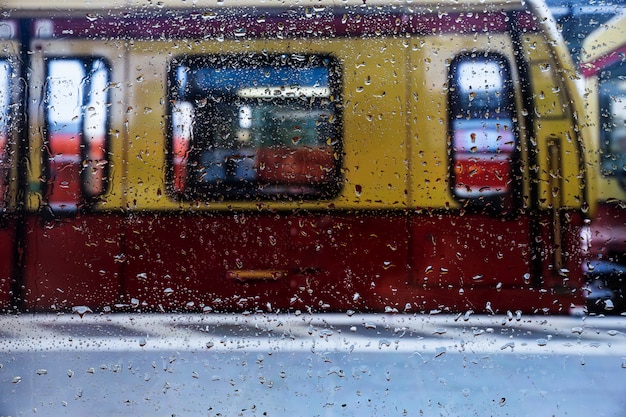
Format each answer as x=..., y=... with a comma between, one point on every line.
x=76, y=121
x=612, y=93
x=482, y=132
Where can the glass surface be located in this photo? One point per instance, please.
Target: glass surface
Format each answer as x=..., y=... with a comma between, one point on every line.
x=334, y=209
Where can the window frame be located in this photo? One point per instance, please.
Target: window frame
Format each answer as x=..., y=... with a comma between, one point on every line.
x=86, y=199
x=499, y=204
x=607, y=83
x=193, y=190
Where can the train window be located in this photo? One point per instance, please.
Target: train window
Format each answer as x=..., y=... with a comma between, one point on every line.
x=76, y=131
x=483, y=142
x=612, y=91
x=255, y=126
x=5, y=114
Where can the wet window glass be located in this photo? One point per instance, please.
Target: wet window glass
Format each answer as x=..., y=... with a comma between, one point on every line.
x=256, y=126
x=312, y=208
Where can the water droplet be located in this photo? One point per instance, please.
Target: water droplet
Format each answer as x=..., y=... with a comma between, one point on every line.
x=383, y=342
x=16, y=379
x=577, y=330
x=488, y=308
x=542, y=342
x=81, y=310
x=508, y=345
x=336, y=371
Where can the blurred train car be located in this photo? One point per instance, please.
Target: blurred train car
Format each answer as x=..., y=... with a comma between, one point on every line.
x=317, y=156
x=605, y=239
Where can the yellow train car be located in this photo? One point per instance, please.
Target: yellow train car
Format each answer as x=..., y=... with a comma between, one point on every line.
x=602, y=64
x=235, y=156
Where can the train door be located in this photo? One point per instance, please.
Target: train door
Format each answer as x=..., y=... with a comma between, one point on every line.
x=72, y=243
x=471, y=160
x=9, y=110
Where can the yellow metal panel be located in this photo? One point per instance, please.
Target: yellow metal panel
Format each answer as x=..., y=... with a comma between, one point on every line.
x=607, y=38
x=557, y=103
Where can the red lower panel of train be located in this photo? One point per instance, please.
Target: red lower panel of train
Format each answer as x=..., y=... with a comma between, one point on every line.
x=308, y=262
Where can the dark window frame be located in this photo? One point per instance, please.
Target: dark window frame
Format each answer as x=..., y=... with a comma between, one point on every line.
x=502, y=204
x=86, y=199
x=241, y=190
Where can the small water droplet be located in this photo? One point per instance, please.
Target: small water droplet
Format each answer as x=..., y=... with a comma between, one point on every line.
x=508, y=345
x=577, y=330
x=81, y=310
x=383, y=343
